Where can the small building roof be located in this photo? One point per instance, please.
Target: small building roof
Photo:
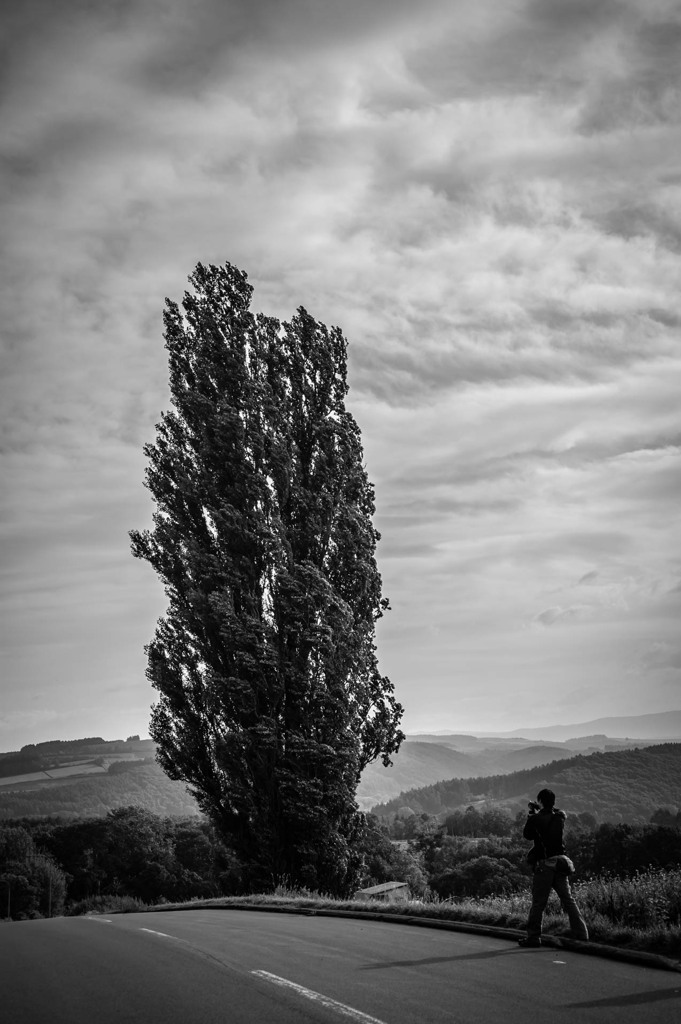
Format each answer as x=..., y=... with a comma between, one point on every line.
x=375, y=890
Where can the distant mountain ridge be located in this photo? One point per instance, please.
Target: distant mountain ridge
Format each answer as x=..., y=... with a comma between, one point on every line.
x=664, y=725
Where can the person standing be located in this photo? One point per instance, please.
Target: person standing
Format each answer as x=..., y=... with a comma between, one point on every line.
x=544, y=826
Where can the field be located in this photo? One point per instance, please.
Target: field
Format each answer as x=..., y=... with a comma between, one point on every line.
x=60, y=772
x=51, y=775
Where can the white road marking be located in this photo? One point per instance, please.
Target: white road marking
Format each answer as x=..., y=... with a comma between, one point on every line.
x=152, y=932
x=560, y=961
x=317, y=997
x=100, y=920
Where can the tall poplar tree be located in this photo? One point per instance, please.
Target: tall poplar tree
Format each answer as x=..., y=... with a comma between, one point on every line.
x=271, y=701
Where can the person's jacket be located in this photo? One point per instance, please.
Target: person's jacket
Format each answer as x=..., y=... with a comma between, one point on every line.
x=545, y=829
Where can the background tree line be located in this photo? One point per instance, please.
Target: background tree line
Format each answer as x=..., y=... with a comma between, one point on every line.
x=480, y=853
x=129, y=852
x=50, y=867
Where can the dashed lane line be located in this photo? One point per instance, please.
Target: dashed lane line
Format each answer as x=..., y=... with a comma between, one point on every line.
x=317, y=997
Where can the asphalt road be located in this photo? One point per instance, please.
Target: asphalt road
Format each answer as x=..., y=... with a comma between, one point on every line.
x=210, y=966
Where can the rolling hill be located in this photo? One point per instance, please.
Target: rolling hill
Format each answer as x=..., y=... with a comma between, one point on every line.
x=92, y=776
x=88, y=778
x=141, y=783
x=69, y=757
x=415, y=764
x=614, y=785
x=421, y=761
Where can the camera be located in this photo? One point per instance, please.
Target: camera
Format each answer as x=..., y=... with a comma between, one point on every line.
x=534, y=806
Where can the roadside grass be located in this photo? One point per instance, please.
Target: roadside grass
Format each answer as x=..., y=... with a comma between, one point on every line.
x=642, y=912
x=107, y=905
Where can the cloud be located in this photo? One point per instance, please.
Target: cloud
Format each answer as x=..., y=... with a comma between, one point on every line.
x=411, y=195
x=485, y=197
x=661, y=656
x=550, y=616
x=645, y=88
x=489, y=51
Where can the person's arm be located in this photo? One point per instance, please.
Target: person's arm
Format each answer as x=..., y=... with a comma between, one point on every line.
x=530, y=830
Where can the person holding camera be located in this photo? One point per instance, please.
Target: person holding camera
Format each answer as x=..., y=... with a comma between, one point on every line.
x=552, y=869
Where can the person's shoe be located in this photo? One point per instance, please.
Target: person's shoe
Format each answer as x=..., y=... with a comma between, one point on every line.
x=529, y=943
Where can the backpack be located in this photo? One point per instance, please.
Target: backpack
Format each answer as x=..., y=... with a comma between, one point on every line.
x=564, y=865
x=539, y=851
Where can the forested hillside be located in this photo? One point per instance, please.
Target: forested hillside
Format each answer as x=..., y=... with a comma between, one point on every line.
x=415, y=764
x=421, y=762
x=623, y=785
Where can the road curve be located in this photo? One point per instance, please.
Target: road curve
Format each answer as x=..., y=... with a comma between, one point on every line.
x=210, y=966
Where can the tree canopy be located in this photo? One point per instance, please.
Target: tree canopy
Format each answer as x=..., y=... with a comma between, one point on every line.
x=271, y=701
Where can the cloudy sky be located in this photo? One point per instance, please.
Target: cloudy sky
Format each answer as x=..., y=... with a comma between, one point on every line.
x=486, y=198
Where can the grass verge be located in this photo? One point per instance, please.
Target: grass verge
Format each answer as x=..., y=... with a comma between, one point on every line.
x=638, y=914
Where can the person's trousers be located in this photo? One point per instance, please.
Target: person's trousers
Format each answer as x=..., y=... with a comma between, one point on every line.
x=544, y=880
